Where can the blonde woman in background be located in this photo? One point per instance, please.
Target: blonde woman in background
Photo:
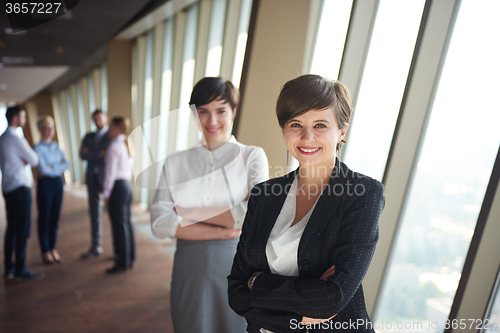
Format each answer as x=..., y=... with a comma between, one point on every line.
x=118, y=193
x=52, y=164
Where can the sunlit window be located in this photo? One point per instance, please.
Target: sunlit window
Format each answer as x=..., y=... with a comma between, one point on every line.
x=72, y=136
x=187, y=81
x=92, y=104
x=216, y=37
x=241, y=43
x=384, y=78
x=451, y=176
x=104, y=87
x=493, y=318
x=147, y=107
x=330, y=39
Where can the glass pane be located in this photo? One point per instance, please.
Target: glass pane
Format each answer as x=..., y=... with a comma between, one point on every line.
x=451, y=176
x=187, y=80
x=147, y=108
x=72, y=136
x=241, y=43
x=81, y=111
x=92, y=104
x=494, y=315
x=104, y=88
x=330, y=39
x=166, y=88
x=386, y=70
x=215, y=38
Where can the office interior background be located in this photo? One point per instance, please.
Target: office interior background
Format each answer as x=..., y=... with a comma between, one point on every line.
x=423, y=75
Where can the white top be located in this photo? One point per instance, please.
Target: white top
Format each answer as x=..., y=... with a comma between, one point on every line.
x=283, y=244
x=15, y=152
x=117, y=164
x=198, y=178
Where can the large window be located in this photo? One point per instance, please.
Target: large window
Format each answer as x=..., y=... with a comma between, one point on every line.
x=241, y=43
x=330, y=39
x=493, y=317
x=185, y=123
x=384, y=79
x=451, y=175
x=215, y=38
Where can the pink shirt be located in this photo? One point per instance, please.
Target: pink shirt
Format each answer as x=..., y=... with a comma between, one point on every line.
x=117, y=163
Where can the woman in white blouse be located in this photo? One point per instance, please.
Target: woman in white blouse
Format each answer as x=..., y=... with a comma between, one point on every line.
x=309, y=236
x=118, y=193
x=201, y=201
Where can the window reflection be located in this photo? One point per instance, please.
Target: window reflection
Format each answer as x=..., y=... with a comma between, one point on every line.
x=382, y=86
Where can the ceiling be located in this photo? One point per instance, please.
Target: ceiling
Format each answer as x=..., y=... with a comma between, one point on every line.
x=33, y=59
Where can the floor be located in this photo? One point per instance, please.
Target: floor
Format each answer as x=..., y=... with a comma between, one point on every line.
x=77, y=296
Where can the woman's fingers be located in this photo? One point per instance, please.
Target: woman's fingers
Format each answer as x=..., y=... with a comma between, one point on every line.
x=231, y=233
x=307, y=320
x=329, y=272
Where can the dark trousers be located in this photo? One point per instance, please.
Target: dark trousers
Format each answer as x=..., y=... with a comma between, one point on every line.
x=95, y=209
x=18, y=207
x=120, y=215
x=49, y=199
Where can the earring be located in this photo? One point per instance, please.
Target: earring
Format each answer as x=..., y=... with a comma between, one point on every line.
x=287, y=155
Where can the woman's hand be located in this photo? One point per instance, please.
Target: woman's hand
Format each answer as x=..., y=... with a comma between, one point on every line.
x=329, y=272
x=229, y=233
x=307, y=320
x=202, y=231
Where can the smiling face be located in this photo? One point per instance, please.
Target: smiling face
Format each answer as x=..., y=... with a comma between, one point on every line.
x=216, y=118
x=312, y=137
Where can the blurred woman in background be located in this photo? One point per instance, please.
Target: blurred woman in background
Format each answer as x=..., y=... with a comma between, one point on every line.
x=52, y=164
x=118, y=193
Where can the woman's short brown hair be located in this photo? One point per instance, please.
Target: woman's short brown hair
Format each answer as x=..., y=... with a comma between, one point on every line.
x=314, y=92
x=209, y=89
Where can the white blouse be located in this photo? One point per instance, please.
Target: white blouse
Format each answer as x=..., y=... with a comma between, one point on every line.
x=117, y=164
x=198, y=178
x=283, y=243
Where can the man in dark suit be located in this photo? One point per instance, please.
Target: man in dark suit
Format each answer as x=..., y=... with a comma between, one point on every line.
x=93, y=149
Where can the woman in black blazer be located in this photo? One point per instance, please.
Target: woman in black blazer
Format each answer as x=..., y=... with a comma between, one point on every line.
x=308, y=237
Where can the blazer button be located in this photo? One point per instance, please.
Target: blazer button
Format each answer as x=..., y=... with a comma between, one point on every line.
x=304, y=266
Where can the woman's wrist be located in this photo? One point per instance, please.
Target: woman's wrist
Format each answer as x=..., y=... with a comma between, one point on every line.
x=251, y=280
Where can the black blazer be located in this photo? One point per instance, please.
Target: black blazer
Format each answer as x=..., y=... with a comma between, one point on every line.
x=92, y=157
x=342, y=231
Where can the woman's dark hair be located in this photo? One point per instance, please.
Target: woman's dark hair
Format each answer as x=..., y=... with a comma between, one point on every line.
x=314, y=92
x=209, y=89
x=12, y=112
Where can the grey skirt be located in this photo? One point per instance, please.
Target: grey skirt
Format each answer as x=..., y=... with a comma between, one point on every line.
x=199, y=301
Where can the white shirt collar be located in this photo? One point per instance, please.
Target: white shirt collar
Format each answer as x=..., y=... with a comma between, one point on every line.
x=102, y=130
x=12, y=130
x=219, y=151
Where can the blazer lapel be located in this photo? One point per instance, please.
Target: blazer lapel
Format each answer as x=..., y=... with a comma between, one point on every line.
x=328, y=202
